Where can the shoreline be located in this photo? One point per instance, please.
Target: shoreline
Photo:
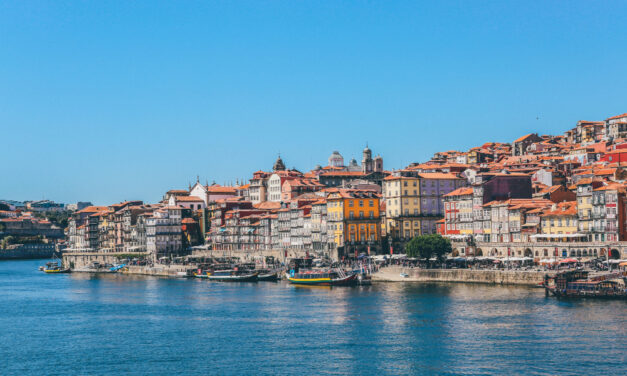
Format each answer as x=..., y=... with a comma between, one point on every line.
x=390, y=274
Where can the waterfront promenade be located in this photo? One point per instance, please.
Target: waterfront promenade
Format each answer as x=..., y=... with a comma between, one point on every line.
x=485, y=276
x=392, y=274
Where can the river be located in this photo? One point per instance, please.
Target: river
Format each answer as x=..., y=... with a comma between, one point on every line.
x=77, y=324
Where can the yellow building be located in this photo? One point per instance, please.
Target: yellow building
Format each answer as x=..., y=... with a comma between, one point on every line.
x=402, y=202
x=560, y=219
x=584, y=203
x=353, y=217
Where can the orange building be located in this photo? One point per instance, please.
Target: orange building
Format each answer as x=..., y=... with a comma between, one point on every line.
x=354, y=219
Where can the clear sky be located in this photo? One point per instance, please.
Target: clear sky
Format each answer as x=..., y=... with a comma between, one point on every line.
x=113, y=100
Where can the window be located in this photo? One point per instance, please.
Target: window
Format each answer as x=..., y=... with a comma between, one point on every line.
x=371, y=203
x=350, y=203
x=361, y=214
x=371, y=213
x=361, y=203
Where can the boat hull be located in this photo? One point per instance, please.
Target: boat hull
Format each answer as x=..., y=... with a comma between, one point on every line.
x=234, y=278
x=574, y=295
x=59, y=271
x=346, y=281
x=268, y=277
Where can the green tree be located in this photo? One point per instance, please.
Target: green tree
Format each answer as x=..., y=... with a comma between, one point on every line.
x=428, y=246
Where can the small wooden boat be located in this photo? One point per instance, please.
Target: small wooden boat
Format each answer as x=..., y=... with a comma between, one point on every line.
x=233, y=276
x=268, y=275
x=322, y=278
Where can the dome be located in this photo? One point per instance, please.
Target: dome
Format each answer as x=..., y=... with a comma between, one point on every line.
x=336, y=159
x=279, y=165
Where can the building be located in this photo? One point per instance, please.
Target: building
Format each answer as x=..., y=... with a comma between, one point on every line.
x=561, y=220
x=276, y=182
x=458, y=214
x=520, y=145
x=258, y=188
x=187, y=202
x=164, y=232
x=402, y=202
x=608, y=213
x=293, y=188
x=353, y=221
x=336, y=160
x=616, y=126
x=585, y=187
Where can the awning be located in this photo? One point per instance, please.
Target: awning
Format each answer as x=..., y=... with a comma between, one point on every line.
x=557, y=236
x=568, y=261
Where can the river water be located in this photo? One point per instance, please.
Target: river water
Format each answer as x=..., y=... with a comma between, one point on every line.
x=114, y=324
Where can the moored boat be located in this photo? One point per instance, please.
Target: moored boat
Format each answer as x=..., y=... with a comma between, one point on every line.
x=55, y=268
x=233, y=276
x=268, y=275
x=322, y=278
x=576, y=284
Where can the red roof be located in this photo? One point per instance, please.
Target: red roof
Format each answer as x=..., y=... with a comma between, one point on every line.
x=617, y=116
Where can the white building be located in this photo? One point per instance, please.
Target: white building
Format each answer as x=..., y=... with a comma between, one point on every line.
x=188, y=202
x=163, y=232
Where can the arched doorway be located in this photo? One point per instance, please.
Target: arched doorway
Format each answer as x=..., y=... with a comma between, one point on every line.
x=478, y=252
x=529, y=253
x=614, y=254
x=494, y=252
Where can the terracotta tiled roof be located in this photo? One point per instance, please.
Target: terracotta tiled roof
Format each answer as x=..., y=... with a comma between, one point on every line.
x=188, y=199
x=524, y=137
x=463, y=191
x=93, y=209
x=617, y=116
x=221, y=189
x=342, y=173
x=438, y=175
x=568, y=208
x=267, y=205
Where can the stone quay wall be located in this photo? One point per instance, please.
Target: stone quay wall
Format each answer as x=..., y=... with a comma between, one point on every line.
x=28, y=251
x=501, y=277
x=84, y=259
x=157, y=270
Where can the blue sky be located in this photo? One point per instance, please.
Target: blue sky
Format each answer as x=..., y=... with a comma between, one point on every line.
x=107, y=101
